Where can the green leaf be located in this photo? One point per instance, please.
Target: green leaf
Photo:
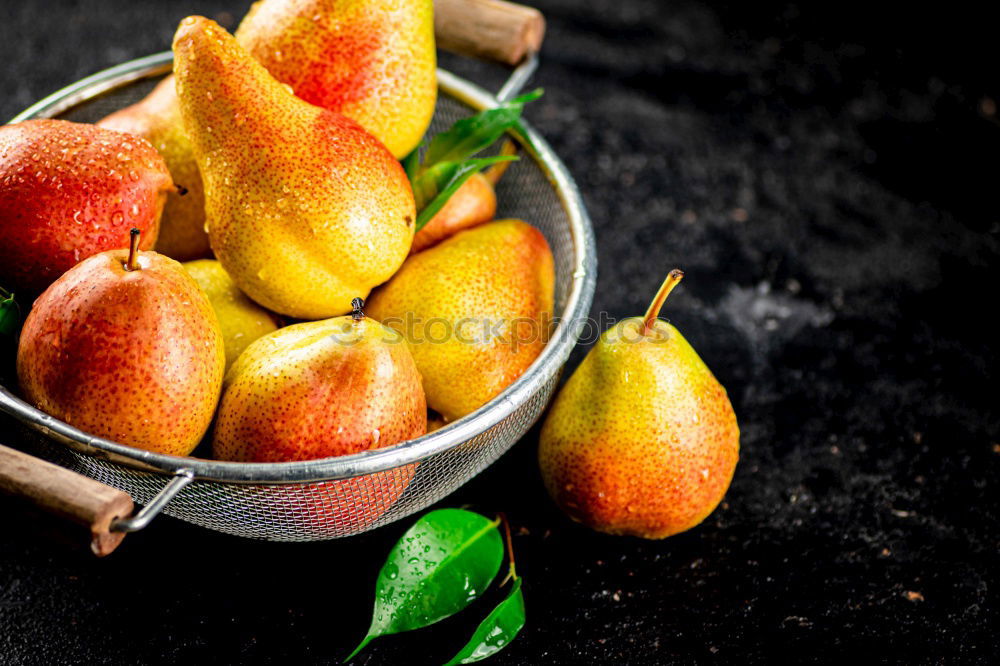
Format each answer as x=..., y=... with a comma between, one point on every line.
x=470, y=135
x=448, y=161
x=430, y=182
x=10, y=314
x=411, y=163
x=441, y=565
x=434, y=187
x=496, y=631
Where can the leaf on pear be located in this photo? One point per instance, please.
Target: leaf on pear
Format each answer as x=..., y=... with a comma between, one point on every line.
x=470, y=135
x=433, y=189
x=448, y=161
x=440, y=565
x=496, y=632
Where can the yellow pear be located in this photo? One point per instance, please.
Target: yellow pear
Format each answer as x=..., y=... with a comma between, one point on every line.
x=305, y=209
x=475, y=308
x=242, y=321
x=642, y=440
x=157, y=118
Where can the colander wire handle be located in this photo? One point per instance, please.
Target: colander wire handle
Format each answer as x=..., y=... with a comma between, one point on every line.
x=518, y=78
x=181, y=478
x=506, y=32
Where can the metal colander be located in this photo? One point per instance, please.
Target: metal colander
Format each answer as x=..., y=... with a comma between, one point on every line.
x=337, y=497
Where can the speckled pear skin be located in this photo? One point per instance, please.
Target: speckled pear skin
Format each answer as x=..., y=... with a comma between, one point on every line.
x=474, y=203
x=242, y=321
x=642, y=440
x=500, y=271
x=320, y=389
x=71, y=190
x=133, y=356
x=305, y=209
x=157, y=118
x=374, y=62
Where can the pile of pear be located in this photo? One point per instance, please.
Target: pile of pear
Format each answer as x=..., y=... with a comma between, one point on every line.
x=369, y=62
x=309, y=318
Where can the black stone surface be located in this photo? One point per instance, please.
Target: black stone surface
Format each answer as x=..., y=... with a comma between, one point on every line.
x=827, y=177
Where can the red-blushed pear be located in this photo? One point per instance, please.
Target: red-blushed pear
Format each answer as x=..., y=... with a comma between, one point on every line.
x=305, y=209
x=68, y=191
x=642, y=440
x=319, y=389
x=374, y=62
x=125, y=346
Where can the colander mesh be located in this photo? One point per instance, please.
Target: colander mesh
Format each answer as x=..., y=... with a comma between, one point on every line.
x=331, y=509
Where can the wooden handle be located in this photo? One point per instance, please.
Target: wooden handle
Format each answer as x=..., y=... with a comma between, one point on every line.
x=491, y=29
x=71, y=495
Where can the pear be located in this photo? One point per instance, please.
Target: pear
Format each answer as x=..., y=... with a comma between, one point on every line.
x=374, y=62
x=305, y=209
x=319, y=389
x=69, y=191
x=125, y=346
x=242, y=321
x=642, y=440
x=157, y=118
x=475, y=309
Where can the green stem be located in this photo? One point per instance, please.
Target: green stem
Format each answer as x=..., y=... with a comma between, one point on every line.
x=366, y=641
x=512, y=573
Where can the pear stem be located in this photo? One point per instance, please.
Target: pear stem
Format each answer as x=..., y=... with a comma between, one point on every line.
x=133, y=250
x=649, y=320
x=357, y=313
x=512, y=573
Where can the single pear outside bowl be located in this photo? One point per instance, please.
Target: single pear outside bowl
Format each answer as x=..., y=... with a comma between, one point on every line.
x=642, y=440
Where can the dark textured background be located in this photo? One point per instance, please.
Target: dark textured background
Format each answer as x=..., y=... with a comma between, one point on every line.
x=827, y=177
